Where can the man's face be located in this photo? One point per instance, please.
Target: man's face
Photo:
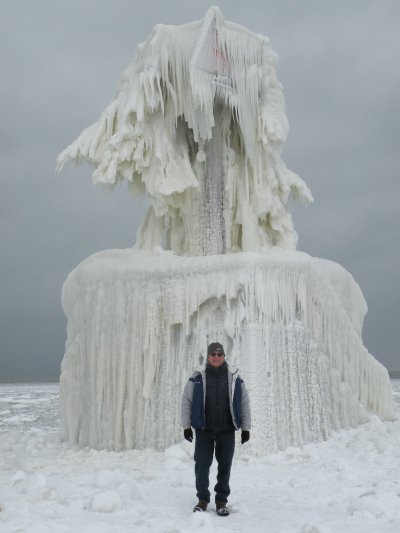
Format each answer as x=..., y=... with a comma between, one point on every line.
x=216, y=359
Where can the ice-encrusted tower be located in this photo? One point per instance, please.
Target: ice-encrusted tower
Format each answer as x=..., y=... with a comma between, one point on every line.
x=197, y=124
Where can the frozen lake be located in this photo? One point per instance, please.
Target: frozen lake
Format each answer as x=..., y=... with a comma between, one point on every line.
x=349, y=483
x=27, y=405
x=35, y=405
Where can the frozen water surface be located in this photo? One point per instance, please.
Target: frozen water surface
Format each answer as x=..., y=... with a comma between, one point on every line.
x=27, y=405
x=396, y=390
x=350, y=483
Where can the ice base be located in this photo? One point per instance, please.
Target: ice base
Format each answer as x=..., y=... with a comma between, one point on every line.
x=139, y=323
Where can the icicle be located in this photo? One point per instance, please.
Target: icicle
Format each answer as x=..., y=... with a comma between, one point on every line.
x=165, y=99
x=138, y=321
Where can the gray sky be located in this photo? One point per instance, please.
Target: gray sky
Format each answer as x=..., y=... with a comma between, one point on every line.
x=60, y=64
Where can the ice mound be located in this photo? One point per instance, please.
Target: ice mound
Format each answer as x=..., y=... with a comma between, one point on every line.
x=138, y=322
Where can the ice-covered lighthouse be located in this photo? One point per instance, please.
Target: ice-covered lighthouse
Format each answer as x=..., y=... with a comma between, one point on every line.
x=197, y=124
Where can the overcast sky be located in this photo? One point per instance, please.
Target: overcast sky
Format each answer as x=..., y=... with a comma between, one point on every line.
x=60, y=64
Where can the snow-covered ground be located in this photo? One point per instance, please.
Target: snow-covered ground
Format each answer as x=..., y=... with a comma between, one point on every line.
x=349, y=484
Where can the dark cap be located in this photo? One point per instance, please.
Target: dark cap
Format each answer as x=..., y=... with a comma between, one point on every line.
x=215, y=347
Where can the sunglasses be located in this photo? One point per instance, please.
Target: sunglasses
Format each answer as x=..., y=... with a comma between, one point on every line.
x=218, y=354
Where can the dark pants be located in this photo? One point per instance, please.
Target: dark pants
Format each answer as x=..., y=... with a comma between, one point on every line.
x=224, y=443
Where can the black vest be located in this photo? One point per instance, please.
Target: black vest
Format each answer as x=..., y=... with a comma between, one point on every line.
x=217, y=409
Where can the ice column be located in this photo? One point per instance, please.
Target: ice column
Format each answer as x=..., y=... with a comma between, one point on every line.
x=212, y=224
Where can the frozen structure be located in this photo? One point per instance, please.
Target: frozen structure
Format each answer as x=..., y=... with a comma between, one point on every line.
x=197, y=124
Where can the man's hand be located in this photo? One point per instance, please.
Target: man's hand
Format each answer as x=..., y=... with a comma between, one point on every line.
x=188, y=434
x=245, y=436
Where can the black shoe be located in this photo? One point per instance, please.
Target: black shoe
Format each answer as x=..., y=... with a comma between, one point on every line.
x=222, y=509
x=201, y=506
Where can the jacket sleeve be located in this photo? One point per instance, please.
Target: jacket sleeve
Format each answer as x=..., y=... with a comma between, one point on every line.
x=245, y=409
x=186, y=407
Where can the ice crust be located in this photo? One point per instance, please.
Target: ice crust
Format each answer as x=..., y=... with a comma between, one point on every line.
x=138, y=323
x=155, y=134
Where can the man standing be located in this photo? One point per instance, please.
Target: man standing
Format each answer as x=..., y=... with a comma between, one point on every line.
x=215, y=403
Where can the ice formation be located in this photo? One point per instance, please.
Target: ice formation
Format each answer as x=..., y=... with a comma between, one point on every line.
x=197, y=124
x=156, y=134
x=138, y=323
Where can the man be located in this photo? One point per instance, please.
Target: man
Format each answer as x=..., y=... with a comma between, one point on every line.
x=215, y=403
